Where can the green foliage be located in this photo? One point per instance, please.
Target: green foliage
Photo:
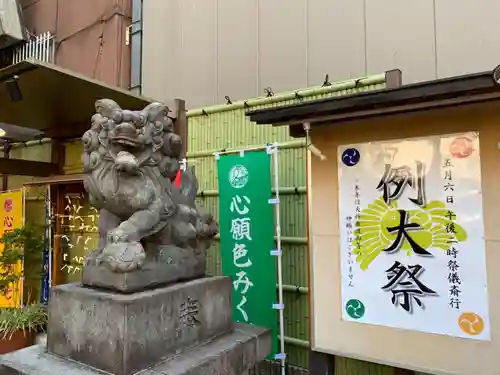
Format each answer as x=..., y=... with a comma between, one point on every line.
x=31, y=318
x=27, y=242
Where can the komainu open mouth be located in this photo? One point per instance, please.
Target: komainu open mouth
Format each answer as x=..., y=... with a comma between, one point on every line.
x=126, y=141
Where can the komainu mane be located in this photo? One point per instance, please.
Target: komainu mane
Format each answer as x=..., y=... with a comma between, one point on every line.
x=130, y=159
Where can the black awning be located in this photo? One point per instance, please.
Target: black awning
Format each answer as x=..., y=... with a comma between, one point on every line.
x=423, y=95
x=54, y=100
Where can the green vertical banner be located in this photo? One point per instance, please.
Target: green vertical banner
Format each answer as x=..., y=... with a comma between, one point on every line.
x=247, y=237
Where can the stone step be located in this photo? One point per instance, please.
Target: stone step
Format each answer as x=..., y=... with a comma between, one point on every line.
x=231, y=354
x=125, y=333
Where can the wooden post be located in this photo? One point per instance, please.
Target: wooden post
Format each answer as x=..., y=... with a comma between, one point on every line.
x=57, y=276
x=57, y=156
x=6, y=155
x=181, y=123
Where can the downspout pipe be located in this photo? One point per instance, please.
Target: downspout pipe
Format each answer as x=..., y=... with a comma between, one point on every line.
x=136, y=48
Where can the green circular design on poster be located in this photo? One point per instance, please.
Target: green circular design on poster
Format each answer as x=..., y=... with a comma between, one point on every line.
x=355, y=308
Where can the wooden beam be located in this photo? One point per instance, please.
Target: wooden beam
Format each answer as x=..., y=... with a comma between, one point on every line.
x=71, y=131
x=57, y=179
x=26, y=167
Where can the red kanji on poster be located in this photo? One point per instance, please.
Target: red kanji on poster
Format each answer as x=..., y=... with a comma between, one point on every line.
x=8, y=221
x=8, y=205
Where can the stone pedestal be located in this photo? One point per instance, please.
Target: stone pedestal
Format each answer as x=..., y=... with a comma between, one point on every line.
x=123, y=334
x=182, y=329
x=163, y=265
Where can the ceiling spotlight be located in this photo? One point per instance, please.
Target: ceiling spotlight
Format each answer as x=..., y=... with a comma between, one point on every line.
x=13, y=89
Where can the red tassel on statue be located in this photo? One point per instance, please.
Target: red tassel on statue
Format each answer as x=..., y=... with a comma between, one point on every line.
x=177, y=180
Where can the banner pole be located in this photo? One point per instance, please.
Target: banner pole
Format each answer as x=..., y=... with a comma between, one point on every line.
x=43, y=285
x=238, y=150
x=23, y=194
x=48, y=229
x=280, y=265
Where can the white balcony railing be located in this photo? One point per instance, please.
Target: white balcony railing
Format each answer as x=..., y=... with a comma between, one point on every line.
x=41, y=47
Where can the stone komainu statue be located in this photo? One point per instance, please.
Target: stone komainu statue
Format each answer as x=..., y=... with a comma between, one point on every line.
x=130, y=159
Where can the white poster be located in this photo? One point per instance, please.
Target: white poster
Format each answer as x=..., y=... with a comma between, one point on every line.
x=412, y=236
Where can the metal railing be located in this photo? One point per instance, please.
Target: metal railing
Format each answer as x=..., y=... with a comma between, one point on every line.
x=41, y=47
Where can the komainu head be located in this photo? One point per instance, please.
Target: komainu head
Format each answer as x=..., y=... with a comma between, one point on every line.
x=132, y=139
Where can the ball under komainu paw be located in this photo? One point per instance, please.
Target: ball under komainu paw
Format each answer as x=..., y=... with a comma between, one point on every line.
x=123, y=256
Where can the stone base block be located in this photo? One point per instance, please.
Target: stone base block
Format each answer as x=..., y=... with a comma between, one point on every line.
x=163, y=265
x=232, y=354
x=125, y=333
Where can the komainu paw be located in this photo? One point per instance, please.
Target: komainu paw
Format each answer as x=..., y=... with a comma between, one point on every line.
x=123, y=257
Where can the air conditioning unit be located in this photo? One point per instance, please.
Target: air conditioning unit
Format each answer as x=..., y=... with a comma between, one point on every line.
x=12, y=27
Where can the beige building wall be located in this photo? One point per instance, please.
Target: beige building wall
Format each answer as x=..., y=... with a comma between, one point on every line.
x=203, y=50
x=400, y=348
